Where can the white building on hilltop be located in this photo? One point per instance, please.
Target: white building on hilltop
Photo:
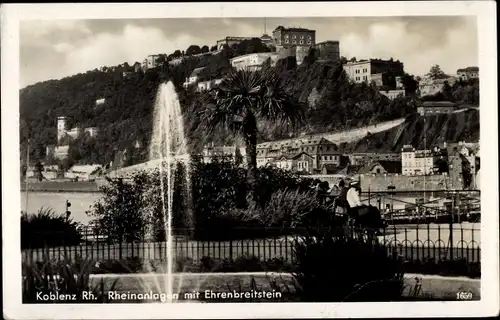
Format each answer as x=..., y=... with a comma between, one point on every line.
x=253, y=61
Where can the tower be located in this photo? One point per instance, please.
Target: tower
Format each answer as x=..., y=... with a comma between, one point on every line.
x=61, y=128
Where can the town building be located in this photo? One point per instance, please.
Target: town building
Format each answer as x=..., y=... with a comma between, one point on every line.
x=468, y=73
x=436, y=107
x=230, y=41
x=399, y=83
x=316, y=152
x=57, y=152
x=150, y=62
x=267, y=39
x=381, y=167
x=193, y=77
x=212, y=152
x=207, y=85
x=60, y=151
x=344, y=170
x=464, y=164
x=99, y=102
x=137, y=67
x=362, y=158
x=429, y=87
x=393, y=94
x=376, y=70
x=253, y=61
x=92, y=131
x=416, y=162
x=327, y=50
x=176, y=61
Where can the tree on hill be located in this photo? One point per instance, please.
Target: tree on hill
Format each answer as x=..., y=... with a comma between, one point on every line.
x=410, y=84
x=213, y=48
x=192, y=50
x=253, y=45
x=240, y=101
x=177, y=54
x=436, y=73
x=204, y=49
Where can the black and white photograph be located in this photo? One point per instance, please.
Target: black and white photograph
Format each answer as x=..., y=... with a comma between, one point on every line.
x=279, y=160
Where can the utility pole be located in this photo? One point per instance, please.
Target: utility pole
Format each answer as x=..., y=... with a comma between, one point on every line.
x=26, y=176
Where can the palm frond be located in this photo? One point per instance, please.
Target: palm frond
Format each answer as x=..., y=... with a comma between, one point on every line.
x=277, y=104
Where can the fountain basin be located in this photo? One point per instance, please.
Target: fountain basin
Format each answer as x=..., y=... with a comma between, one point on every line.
x=433, y=287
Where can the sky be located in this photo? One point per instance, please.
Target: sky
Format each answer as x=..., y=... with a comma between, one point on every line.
x=52, y=49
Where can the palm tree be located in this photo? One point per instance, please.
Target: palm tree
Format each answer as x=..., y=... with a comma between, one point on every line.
x=244, y=98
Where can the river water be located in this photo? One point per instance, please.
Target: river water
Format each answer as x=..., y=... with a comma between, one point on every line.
x=80, y=203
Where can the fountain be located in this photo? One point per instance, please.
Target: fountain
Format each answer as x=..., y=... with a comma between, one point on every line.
x=168, y=148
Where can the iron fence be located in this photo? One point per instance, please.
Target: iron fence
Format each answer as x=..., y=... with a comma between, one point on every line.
x=412, y=242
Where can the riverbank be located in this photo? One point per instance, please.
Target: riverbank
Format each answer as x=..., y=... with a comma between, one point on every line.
x=61, y=186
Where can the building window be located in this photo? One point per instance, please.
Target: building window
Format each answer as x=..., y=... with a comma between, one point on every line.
x=301, y=42
x=302, y=37
x=294, y=42
x=294, y=37
x=286, y=41
x=308, y=42
x=309, y=38
x=286, y=36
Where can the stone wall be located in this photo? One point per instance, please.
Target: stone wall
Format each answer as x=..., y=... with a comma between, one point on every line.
x=378, y=183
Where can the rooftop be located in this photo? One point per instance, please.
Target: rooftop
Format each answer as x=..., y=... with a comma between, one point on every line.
x=235, y=38
x=196, y=71
x=438, y=104
x=373, y=61
x=281, y=28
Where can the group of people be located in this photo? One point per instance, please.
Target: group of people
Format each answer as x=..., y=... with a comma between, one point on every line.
x=347, y=201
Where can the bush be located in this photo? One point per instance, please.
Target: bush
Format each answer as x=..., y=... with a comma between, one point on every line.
x=45, y=228
x=337, y=269
x=218, y=202
x=294, y=208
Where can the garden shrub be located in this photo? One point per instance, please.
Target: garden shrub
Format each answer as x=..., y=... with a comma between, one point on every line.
x=337, y=269
x=46, y=228
x=132, y=209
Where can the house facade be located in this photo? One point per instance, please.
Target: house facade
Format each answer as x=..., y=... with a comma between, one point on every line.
x=193, y=77
x=230, y=41
x=319, y=152
x=416, y=162
x=286, y=37
x=393, y=94
x=253, y=61
x=327, y=50
x=436, y=107
x=376, y=70
x=429, y=87
x=208, y=85
x=468, y=73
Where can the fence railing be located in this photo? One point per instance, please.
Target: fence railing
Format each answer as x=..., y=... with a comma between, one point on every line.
x=419, y=242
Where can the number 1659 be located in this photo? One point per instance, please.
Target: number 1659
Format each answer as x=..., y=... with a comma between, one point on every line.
x=464, y=295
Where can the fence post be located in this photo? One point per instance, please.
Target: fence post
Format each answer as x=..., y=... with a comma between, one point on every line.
x=120, y=253
x=452, y=214
x=231, y=250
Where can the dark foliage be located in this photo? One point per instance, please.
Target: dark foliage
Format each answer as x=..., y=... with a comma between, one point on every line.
x=357, y=269
x=45, y=228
